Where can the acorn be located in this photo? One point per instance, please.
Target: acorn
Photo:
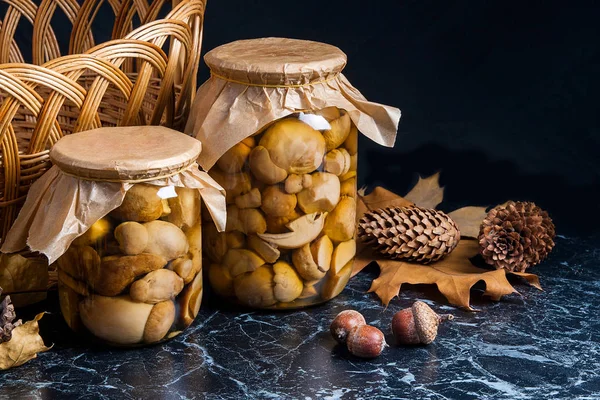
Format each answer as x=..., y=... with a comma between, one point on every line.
x=365, y=341
x=343, y=323
x=417, y=324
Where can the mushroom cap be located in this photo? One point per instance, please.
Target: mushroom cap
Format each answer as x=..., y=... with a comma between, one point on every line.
x=426, y=322
x=255, y=289
x=294, y=146
x=288, y=285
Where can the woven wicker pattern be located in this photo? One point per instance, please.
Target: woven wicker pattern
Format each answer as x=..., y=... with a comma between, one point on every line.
x=145, y=75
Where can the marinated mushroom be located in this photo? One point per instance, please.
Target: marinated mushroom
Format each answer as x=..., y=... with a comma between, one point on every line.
x=75, y=285
x=264, y=169
x=341, y=222
x=303, y=230
x=234, y=184
x=194, y=239
x=239, y=261
x=235, y=158
x=214, y=243
x=293, y=184
x=340, y=129
x=351, y=143
x=255, y=289
x=190, y=300
x=132, y=237
x=69, y=305
x=294, y=146
x=337, y=162
x=96, y=232
x=348, y=188
x=323, y=195
x=278, y=224
x=220, y=280
x=165, y=239
x=141, y=204
x=276, y=202
x=342, y=255
x=251, y=221
x=336, y=283
x=119, y=320
x=159, y=321
x=235, y=240
x=329, y=113
x=322, y=251
x=157, y=286
x=118, y=272
x=288, y=285
x=252, y=199
x=184, y=267
x=185, y=208
x=305, y=264
x=267, y=251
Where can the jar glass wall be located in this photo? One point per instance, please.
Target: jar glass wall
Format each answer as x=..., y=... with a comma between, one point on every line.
x=135, y=277
x=291, y=213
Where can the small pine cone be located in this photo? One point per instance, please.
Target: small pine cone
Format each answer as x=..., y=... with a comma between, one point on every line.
x=7, y=316
x=409, y=233
x=516, y=236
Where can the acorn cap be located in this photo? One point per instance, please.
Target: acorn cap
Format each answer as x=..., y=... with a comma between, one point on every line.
x=426, y=322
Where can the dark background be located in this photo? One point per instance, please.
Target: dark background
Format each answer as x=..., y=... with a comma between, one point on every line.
x=501, y=96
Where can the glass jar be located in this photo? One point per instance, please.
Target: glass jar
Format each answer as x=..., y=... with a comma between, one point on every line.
x=122, y=214
x=291, y=214
x=280, y=127
x=135, y=276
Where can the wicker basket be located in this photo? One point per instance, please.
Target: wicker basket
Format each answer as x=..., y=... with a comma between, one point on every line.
x=145, y=75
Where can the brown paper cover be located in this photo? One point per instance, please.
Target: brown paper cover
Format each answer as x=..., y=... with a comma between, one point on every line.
x=254, y=82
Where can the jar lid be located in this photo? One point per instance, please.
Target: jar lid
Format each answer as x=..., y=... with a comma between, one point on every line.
x=125, y=153
x=276, y=61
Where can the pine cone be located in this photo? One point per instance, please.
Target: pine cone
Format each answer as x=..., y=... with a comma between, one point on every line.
x=516, y=236
x=7, y=316
x=409, y=233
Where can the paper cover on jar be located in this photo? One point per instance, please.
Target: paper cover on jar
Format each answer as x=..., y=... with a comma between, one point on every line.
x=254, y=82
x=92, y=173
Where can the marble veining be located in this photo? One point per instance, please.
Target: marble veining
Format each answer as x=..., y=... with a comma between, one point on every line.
x=532, y=345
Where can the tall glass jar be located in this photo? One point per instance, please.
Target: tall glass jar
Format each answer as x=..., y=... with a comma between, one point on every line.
x=291, y=214
x=127, y=231
x=280, y=126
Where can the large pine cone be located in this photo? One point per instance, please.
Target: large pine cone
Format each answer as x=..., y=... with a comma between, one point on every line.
x=409, y=233
x=516, y=236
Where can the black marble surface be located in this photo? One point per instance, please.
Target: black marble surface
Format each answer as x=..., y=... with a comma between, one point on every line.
x=529, y=346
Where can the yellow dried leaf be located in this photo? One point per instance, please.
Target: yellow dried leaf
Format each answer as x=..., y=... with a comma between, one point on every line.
x=382, y=198
x=453, y=275
x=427, y=193
x=532, y=279
x=26, y=342
x=20, y=274
x=469, y=220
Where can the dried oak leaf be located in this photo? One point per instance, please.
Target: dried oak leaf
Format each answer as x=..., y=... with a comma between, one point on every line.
x=427, y=193
x=21, y=274
x=26, y=342
x=454, y=275
x=469, y=220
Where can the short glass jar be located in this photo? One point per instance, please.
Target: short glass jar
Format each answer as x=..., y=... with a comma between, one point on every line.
x=120, y=211
x=280, y=126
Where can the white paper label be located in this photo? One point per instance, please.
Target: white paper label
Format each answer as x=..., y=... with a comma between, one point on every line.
x=167, y=192
x=316, y=122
